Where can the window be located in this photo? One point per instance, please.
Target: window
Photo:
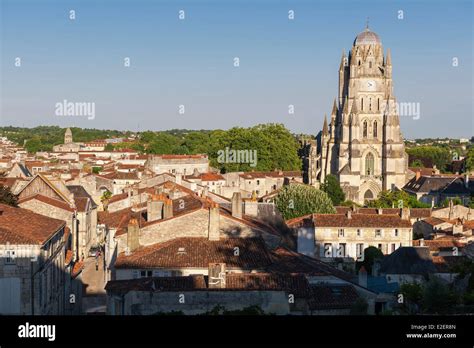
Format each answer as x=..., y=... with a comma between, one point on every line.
x=145, y=273
x=10, y=259
x=393, y=247
x=370, y=65
x=359, y=233
x=258, y=182
x=362, y=103
x=340, y=232
x=364, y=131
x=359, y=249
x=369, y=164
x=380, y=247
x=378, y=103
x=396, y=232
x=378, y=233
x=375, y=129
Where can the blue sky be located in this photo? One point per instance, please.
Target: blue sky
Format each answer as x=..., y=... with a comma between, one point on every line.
x=190, y=62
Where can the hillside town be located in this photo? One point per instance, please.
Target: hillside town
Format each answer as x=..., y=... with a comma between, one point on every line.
x=362, y=226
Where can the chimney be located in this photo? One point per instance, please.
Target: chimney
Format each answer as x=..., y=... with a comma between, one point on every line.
x=154, y=208
x=379, y=211
x=168, y=209
x=418, y=175
x=179, y=178
x=349, y=214
x=237, y=205
x=132, y=235
x=216, y=278
x=405, y=213
x=214, y=217
x=363, y=277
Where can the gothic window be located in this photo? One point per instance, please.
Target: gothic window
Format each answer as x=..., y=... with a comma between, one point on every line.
x=375, y=129
x=362, y=103
x=378, y=104
x=365, y=129
x=369, y=164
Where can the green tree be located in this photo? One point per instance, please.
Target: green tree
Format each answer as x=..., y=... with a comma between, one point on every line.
x=416, y=164
x=7, y=197
x=437, y=297
x=412, y=296
x=333, y=189
x=396, y=199
x=470, y=159
x=456, y=201
x=371, y=254
x=298, y=200
x=438, y=155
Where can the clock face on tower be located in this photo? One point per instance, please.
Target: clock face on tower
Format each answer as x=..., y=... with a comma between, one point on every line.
x=370, y=85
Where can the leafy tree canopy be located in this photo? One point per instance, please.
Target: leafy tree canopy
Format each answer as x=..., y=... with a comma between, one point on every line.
x=298, y=200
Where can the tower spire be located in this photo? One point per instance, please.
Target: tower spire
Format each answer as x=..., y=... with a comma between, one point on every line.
x=367, y=25
x=389, y=57
x=334, y=108
x=325, y=126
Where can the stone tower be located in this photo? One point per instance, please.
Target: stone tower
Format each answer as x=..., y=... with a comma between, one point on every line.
x=68, y=136
x=363, y=145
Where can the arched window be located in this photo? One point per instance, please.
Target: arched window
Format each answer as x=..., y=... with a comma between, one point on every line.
x=369, y=164
x=378, y=104
x=370, y=65
x=362, y=103
x=375, y=129
x=359, y=62
x=364, y=131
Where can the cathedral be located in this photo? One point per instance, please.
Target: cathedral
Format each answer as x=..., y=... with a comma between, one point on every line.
x=362, y=145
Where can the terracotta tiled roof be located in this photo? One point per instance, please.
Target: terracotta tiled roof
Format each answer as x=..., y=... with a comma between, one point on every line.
x=287, y=261
x=434, y=221
x=332, y=296
x=295, y=284
x=48, y=200
x=211, y=177
x=437, y=244
x=81, y=203
x=182, y=156
x=360, y=220
x=77, y=269
x=198, y=253
x=22, y=226
x=445, y=264
x=68, y=257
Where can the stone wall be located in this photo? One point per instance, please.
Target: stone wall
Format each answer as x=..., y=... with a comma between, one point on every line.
x=196, y=302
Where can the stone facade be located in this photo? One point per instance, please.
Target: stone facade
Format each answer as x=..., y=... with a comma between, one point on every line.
x=363, y=145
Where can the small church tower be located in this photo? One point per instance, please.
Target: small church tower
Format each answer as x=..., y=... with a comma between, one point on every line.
x=68, y=136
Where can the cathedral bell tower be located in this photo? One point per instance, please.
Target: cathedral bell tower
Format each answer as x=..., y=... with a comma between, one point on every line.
x=363, y=145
